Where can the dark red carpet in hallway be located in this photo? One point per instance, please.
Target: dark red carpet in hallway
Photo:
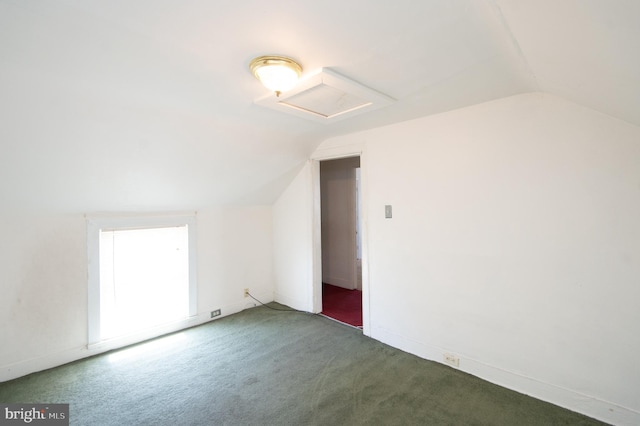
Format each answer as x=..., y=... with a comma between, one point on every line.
x=342, y=304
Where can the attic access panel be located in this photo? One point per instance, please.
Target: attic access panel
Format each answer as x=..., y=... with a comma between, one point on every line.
x=326, y=97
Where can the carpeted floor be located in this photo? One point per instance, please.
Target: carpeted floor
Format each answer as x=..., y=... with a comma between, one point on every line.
x=266, y=367
x=342, y=304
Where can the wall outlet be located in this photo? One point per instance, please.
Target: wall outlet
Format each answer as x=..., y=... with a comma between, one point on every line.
x=452, y=359
x=215, y=313
x=246, y=292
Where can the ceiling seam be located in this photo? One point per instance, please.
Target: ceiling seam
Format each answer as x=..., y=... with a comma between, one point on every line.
x=514, y=41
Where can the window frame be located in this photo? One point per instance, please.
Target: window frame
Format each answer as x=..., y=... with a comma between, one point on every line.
x=96, y=224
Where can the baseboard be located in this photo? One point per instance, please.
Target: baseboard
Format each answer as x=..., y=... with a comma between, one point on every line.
x=339, y=282
x=588, y=405
x=33, y=365
x=292, y=302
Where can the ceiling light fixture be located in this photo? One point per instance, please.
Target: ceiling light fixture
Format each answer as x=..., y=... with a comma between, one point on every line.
x=276, y=73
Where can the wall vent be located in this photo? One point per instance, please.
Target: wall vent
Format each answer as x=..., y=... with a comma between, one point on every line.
x=326, y=97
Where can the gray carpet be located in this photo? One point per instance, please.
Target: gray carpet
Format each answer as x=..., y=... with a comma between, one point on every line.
x=264, y=367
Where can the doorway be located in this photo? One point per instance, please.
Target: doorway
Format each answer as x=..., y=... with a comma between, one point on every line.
x=340, y=239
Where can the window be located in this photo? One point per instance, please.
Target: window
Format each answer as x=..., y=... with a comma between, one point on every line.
x=141, y=277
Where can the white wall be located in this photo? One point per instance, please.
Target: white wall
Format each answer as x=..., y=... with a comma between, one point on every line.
x=293, y=245
x=43, y=264
x=43, y=307
x=515, y=244
x=235, y=247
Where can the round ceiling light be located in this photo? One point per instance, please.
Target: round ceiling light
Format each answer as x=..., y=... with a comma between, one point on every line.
x=276, y=73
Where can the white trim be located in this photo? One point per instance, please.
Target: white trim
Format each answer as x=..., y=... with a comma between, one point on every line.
x=289, y=301
x=98, y=222
x=140, y=336
x=32, y=365
x=364, y=241
x=372, y=99
x=337, y=152
x=566, y=398
x=316, y=239
x=316, y=291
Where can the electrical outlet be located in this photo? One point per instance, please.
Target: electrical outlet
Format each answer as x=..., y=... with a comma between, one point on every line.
x=452, y=360
x=246, y=292
x=215, y=313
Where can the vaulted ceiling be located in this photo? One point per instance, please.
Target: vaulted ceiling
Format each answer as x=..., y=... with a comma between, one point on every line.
x=148, y=104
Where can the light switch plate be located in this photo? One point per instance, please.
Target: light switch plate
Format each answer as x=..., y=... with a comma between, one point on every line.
x=387, y=211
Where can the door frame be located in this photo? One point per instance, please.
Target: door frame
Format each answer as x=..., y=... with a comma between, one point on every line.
x=316, y=291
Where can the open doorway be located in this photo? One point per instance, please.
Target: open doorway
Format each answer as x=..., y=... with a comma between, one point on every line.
x=340, y=234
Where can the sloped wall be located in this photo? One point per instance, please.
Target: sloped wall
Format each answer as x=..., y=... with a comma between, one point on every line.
x=514, y=245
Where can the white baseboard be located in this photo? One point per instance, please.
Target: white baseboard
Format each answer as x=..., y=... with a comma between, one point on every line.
x=292, y=302
x=566, y=398
x=339, y=282
x=33, y=365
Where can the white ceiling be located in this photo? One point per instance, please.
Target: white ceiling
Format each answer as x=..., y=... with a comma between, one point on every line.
x=148, y=104
x=587, y=51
